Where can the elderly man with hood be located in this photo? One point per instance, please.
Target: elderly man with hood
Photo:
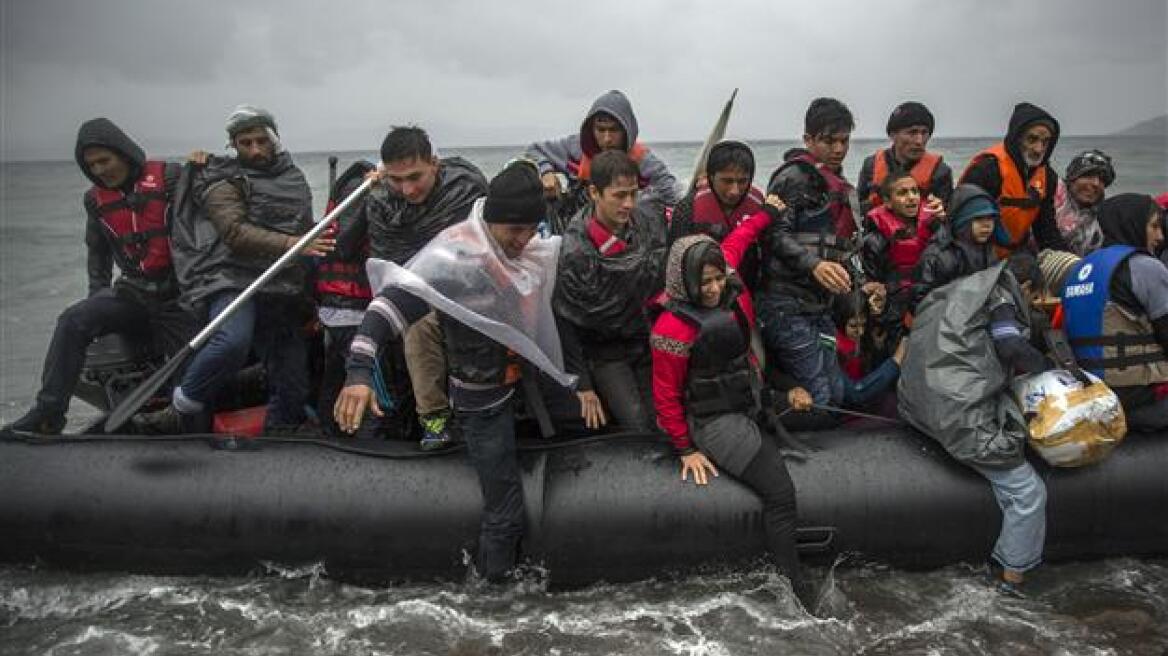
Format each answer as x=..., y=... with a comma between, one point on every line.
x=1115, y=304
x=128, y=212
x=1076, y=202
x=1018, y=174
x=609, y=125
x=244, y=213
x=909, y=127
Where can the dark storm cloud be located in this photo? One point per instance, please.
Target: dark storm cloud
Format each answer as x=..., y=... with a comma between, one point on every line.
x=337, y=74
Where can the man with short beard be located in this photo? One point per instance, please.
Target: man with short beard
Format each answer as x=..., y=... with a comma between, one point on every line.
x=258, y=204
x=1017, y=173
x=1076, y=203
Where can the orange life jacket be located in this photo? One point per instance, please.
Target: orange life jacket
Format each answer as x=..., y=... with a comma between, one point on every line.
x=922, y=172
x=1018, y=201
x=583, y=169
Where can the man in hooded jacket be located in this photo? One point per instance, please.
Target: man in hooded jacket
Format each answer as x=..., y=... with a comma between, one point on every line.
x=247, y=211
x=1017, y=172
x=609, y=125
x=128, y=213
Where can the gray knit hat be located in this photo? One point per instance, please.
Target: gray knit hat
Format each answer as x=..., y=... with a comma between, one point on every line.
x=245, y=117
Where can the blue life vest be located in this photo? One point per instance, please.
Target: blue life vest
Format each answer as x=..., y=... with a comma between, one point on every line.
x=1086, y=295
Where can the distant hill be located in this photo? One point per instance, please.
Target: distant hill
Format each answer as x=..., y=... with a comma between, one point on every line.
x=1153, y=127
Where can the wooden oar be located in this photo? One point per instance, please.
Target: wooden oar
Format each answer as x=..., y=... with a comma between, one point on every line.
x=715, y=136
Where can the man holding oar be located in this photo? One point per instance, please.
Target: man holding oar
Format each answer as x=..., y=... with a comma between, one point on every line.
x=255, y=205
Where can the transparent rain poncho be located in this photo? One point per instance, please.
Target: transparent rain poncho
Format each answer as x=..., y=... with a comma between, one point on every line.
x=463, y=273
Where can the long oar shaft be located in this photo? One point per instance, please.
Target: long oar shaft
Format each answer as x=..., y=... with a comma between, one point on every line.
x=271, y=272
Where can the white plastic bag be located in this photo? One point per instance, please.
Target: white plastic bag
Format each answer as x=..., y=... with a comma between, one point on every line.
x=1071, y=424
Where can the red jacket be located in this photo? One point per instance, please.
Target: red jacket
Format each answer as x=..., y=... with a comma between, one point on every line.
x=672, y=338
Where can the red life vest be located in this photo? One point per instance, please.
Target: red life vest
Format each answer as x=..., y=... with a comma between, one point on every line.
x=838, y=192
x=341, y=283
x=605, y=242
x=905, y=244
x=583, y=168
x=711, y=219
x=849, y=355
x=922, y=172
x=137, y=224
x=1019, y=201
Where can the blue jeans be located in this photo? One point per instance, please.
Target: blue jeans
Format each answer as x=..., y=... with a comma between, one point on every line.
x=859, y=393
x=490, y=444
x=800, y=345
x=268, y=325
x=1021, y=495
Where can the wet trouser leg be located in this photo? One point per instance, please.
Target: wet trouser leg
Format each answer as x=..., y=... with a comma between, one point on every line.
x=1021, y=495
x=80, y=324
x=767, y=476
x=859, y=393
x=223, y=355
x=280, y=344
x=625, y=388
x=797, y=344
x=426, y=361
x=490, y=441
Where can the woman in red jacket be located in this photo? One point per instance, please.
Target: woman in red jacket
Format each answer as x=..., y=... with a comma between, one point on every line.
x=706, y=381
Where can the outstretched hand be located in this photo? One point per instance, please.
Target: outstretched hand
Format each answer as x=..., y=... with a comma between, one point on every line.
x=351, y=405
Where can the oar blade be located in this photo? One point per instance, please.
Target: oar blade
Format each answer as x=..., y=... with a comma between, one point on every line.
x=716, y=135
x=146, y=390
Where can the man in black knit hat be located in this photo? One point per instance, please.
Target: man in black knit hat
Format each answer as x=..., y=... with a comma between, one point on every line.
x=909, y=127
x=485, y=271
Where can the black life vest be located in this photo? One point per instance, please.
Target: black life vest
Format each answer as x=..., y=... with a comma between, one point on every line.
x=721, y=378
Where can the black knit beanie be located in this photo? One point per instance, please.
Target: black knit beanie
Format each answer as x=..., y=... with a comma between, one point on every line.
x=515, y=195
x=908, y=114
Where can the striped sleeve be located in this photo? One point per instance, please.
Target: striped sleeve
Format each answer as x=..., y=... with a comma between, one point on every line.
x=387, y=317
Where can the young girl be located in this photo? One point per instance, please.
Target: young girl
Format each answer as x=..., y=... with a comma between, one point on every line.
x=862, y=382
x=706, y=380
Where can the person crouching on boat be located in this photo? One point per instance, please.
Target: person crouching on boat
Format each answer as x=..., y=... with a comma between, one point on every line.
x=128, y=212
x=1115, y=308
x=706, y=380
x=969, y=337
x=490, y=280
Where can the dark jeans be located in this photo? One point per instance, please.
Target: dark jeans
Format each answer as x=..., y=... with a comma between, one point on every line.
x=795, y=343
x=336, y=351
x=490, y=441
x=625, y=387
x=268, y=324
x=165, y=326
x=767, y=476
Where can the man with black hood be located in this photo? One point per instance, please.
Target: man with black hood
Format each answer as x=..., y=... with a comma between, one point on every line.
x=245, y=212
x=804, y=252
x=722, y=201
x=1115, y=303
x=128, y=212
x=909, y=127
x=1017, y=172
x=611, y=265
x=609, y=125
x=419, y=196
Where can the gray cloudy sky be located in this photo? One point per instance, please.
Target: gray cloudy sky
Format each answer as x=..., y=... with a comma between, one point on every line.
x=337, y=74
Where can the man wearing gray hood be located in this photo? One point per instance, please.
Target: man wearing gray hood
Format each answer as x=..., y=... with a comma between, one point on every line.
x=128, y=212
x=610, y=124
